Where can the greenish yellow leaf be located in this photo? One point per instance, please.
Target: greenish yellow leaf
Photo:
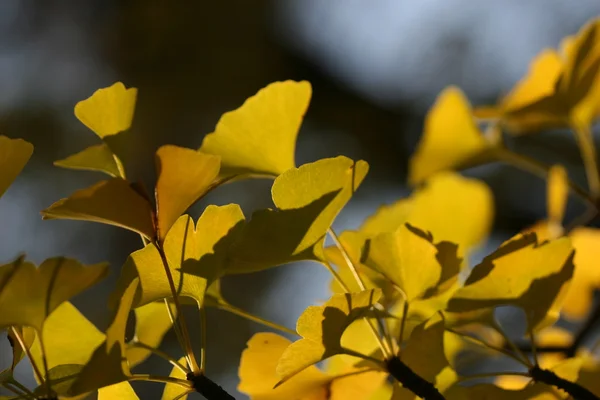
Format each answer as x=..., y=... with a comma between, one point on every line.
x=28, y=295
x=451, y=138
x=152, y=322
x=308, y=199
x=321, y=328
x=171, y=390
x=60, y=378
x=108, y=365
x=28, y=336
x=347, y=382
x=196, y=256
x=121, y=391
x=407, y=259
x=259, y=138
x=521, y=273
x=109, y=110
x=112, y=202
x=184, y=175
x=14, y=154
x=95, y=158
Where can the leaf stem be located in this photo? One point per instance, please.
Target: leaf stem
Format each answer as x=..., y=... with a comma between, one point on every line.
x=16, y=390
x=160, y=379
x=28, y=392
x=353, y=353
x=184, y=330
x=202, y=339
x=183, y=394
x=177, y=330
x=403, y=323
x=513, y=346
x=36, y=369
x=45, y=363
x=161, y=354
x=255, y=318
x=533, y=349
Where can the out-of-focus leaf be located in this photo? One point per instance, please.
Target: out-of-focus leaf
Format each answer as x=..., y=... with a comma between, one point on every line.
x=28, y=295
x=28, y=335
x=259, y=138
x=321, y=328
x=171, y=391
x=361, y=386
x=94, y=158
x=108, y=364
x=308, y=199
x=451, y=138
x=558, y=192
x=521, y=273
x=14, y=154
x=112, y=202
x=109, y=110
x=184, y=175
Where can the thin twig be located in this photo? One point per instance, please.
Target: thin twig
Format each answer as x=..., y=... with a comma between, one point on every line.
x=251, y=317
x=35, y=367
x=202, y=339
x=161, y=379
x=161, y=354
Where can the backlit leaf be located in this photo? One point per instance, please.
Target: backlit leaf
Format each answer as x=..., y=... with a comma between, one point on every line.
x=259, y=138
x=451, y=138
x=28, y=295
x=28, y=336
x=109, y=110
x=193, y=253
x=121, y=391
x=258, y=377
x=171, y=390
x=112, y=202
x=184, y=175
x=152, y=322
x=308, y=199
x=322, y=328
x=108, y=364
x=407, y=259
x=14, y=154
x=558, y=192
x=521, y=273
x=94, y=158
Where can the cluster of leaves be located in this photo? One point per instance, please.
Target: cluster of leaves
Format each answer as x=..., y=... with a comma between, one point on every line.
x=406, y=307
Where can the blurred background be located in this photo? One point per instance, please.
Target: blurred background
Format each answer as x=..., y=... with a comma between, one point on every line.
x=375, y=68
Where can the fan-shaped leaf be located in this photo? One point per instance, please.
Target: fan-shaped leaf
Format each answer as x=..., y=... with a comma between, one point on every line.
x=152, y=322
x=94, y=158
x=259, y=138
x=14, y=154
x=121, y=391
x=171, y=390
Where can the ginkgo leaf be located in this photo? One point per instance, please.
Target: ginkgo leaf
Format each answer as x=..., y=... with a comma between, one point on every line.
x=407, y=259
x=487, y=391
x=108, y=365
x=152, y=322
x=171, y=390
x=94, y=158
x=112, y=202
x=184, y=175
x=308, y=199
x=258, y=377
x=586, y=278
x=558, y=192
x=14, y=154
x=321, y=328
x=27, y=334
x=28, y=295
x=109, y=110
x=521, y=273
x=349, y=383
x=58, y=333
x=121, y=391
x=451, y=138
x=259, y=138
x=195, y=255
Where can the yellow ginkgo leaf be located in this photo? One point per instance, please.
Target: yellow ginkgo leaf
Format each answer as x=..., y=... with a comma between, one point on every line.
x=487, y=391
x=521, y=273
x=193, y=253
x=27, y=334
x=451, y=138
x=108, y=365
x=152, y=322
x=258, y=377
x=69, y=337
x=349, y=383
x=184, y=175
x=172, y=391
x=121, y=391
x=109, y=110
x=94, y=158
x=586, y=278
x=259, y=138
x=558, y=192
x=112, y=202
x=321, y=328
x=14, y=154
x=406, y=258
x=28, y=295
x=308, y=199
